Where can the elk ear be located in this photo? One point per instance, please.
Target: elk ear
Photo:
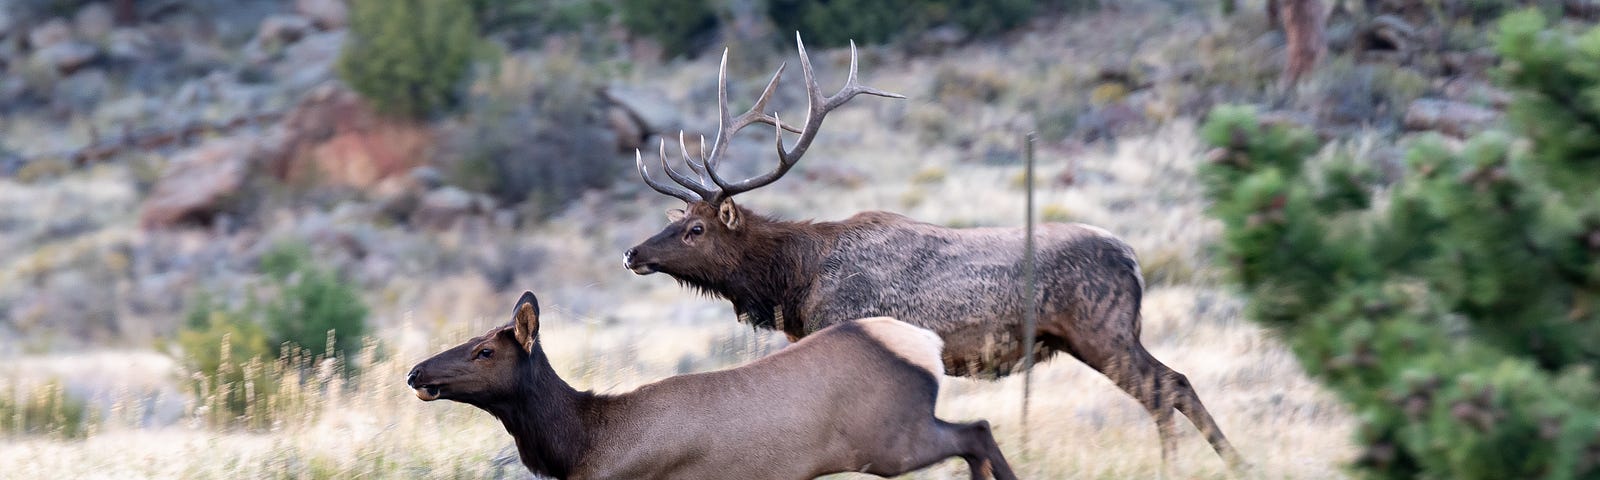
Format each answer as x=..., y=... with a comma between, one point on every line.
x=527, y=321
x=729, y=214
x=674, y=215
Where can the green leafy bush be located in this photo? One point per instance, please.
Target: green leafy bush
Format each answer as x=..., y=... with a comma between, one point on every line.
x=311, y=304
x=1456, y=310
x=680, y=25
x=248, y=362
x=520, y=23
x=43, y=410
x=230, y=362
x=410, y=57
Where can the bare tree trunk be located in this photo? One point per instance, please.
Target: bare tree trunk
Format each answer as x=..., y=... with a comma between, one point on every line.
x=1304, y=22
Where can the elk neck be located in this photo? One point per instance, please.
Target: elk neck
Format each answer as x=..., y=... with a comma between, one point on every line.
x=551, y=422
x=772, y=273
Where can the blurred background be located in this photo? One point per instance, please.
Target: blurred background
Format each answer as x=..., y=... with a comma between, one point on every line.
x=1369, y=229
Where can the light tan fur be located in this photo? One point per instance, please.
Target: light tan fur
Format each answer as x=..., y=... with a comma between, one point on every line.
x=914, y=344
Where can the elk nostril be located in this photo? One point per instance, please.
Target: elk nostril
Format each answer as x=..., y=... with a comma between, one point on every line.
x=628, y=255
x=411, y=380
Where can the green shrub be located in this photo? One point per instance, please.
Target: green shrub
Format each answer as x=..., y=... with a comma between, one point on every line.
x=43, y=410
x=836, y=22
x=247, y=363
x=1457, y=317
x=524, y=22
x=410, y=57
x=311, y=306
x=229, y=359
x=679, y=25
x=535, y=136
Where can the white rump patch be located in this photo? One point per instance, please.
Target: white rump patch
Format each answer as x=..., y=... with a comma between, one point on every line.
x=917, y=345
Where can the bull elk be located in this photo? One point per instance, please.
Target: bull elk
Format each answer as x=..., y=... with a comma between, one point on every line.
x=856, y=397
x=801, y=277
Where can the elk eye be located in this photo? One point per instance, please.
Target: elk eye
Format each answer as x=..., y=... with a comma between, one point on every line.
x=696, y=230
x=485, y=353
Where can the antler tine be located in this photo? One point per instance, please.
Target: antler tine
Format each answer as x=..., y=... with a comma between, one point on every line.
x=696, y=163
x=817, y=108
x=675, y=191
x=684, y=180
x=728, y=125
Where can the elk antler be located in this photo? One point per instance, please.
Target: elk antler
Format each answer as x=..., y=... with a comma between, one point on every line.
x=818, y=107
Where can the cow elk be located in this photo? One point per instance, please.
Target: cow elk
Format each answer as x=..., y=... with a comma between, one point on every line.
x=857, y=397
x=962, y=283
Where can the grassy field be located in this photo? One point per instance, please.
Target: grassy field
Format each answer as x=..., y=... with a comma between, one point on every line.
x=611, y=331
x=947, y=155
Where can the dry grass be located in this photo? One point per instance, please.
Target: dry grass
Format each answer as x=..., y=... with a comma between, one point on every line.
x=609, y=330
x=1081, y=426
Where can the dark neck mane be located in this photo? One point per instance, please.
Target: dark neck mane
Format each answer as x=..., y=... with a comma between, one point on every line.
x=551, y=422
x=773, y=276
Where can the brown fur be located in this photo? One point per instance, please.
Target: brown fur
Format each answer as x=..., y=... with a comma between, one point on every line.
x=801, y=277
x=856, y=397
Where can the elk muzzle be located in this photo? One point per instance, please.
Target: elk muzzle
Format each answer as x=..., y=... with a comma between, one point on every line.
x=631, y=260
x=426, y=391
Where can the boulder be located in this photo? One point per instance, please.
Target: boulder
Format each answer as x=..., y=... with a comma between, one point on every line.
x=326, y=14
x=629, y=131
x=50, y=33
x=7, y=25
x=444, y=208
x=94, y=21
x=649, y=107
x=80, y=92
x=1450, y=117
x=129, y=44
x=310, y=61
x=66, y=57
x=1476, y=92
x=282, y=29
x=198, y=183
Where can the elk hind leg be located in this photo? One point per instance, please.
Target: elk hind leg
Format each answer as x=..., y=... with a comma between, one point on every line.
x=983, y=454
x=973, y=442
x=1161, y=390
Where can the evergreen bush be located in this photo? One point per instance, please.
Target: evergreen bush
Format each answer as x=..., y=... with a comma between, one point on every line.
x=832, y=23
x=410, y=57
x=229, y=359
x=1458, y=310
x=311, y=306
x=679, y=25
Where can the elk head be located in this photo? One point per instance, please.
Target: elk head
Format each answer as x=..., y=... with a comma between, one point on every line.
x=487, y=368
x=705, y=237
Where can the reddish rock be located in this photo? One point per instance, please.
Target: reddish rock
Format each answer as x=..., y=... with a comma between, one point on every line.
x=198, y=183
x=334, y=138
